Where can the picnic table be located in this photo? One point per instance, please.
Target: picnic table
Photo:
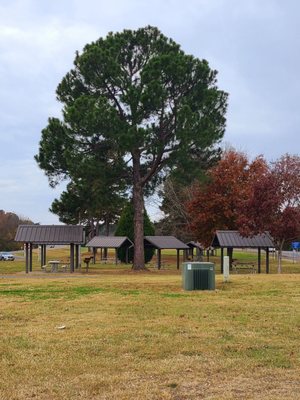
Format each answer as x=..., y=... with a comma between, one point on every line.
x=246, y=266
x=54, y=266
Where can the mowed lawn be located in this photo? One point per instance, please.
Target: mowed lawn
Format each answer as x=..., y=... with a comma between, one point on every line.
x=116, y=334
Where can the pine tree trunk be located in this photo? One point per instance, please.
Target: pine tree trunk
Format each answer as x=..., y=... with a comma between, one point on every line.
x=138, y=204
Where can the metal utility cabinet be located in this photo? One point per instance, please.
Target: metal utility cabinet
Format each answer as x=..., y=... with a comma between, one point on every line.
x=198, y=276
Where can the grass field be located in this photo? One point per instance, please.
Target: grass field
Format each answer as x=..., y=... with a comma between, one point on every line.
x=115, y=334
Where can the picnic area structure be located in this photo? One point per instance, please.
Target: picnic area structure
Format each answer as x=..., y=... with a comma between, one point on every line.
x=110, y=242
x=52, y=235
x=165, y=242
x=194, y=246
x=233, y=239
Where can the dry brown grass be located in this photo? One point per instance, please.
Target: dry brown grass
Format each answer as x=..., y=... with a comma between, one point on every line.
x=141, y=336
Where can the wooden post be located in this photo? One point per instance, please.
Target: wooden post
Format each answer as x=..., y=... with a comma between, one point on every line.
x=222, y=260
x=259, y=260
x=158, y=258
x=26, y=258
x=44, y=254
x=267, y=261
x=30, y=257
x=94, y=255
x=116, y=256
x=76, y=256
x=230, y=253
x=207, y=254
x=72, y=257
x=178, y=258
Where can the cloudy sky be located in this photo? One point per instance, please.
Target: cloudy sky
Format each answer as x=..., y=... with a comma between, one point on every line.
x=254, y=45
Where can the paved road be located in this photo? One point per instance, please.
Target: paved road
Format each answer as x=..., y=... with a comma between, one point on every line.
x=290, y=255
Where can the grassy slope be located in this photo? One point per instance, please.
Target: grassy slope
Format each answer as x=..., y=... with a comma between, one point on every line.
x=140, y=336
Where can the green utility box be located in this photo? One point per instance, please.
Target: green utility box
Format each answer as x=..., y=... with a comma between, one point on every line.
x=198, y=276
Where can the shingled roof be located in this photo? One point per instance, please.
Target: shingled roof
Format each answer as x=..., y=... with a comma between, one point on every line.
x=50, y=234
x=164, y=242
x=235, y=239
x=109, y=242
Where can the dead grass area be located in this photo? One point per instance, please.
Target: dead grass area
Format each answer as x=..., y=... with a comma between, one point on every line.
x=140, y=336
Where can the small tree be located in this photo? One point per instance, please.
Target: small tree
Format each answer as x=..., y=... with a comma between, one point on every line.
x=274, y=203
x=217, y=203
x=126, y=228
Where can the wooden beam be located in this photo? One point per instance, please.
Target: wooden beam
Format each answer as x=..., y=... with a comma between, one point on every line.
x=222, y=260
x=45, y=254
x=30, y=257
x=76, y=256
x=158, y=258
x=259, y=260
x=26, y=258
x=71, y=257
x=267, y=261
x=178, y=259
x=94, y=255
x=116, y=256
x=42, y=255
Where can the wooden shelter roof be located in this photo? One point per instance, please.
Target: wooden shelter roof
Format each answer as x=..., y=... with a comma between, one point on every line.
x=194, y=245
x=235, y=239
x=164, y=242
x=109, y=242
x=50, y=234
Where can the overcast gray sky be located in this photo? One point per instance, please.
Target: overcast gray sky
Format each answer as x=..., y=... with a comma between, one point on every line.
x=254, y=44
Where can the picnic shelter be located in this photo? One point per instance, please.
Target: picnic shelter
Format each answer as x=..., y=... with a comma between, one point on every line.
x=110, y=242
x=233, y=239
x=51, y=235
x=165, y=242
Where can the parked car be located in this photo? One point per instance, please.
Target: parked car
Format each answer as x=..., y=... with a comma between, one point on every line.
x=4, y=256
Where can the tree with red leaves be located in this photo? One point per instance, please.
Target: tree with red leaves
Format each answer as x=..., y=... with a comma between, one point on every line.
x=274, y=203
x=217, y=204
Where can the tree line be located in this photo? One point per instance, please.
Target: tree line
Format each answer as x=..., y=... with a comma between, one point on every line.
x=9, y=223
x=239, y=194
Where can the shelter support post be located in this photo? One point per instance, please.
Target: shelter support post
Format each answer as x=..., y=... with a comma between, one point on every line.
x=30, y=257
x=42, y=255
x=222, y=260
x=259, y=260
x=230, y=253
x=26, y=258
x=72, y=257
x=158, y=258
x=94, y=255
x=76, y=256
x=178, y=258
x=116, y=256
x=267, y=261
x=45, y=254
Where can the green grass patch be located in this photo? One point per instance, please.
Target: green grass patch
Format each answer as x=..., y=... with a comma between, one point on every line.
x=123, y=336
